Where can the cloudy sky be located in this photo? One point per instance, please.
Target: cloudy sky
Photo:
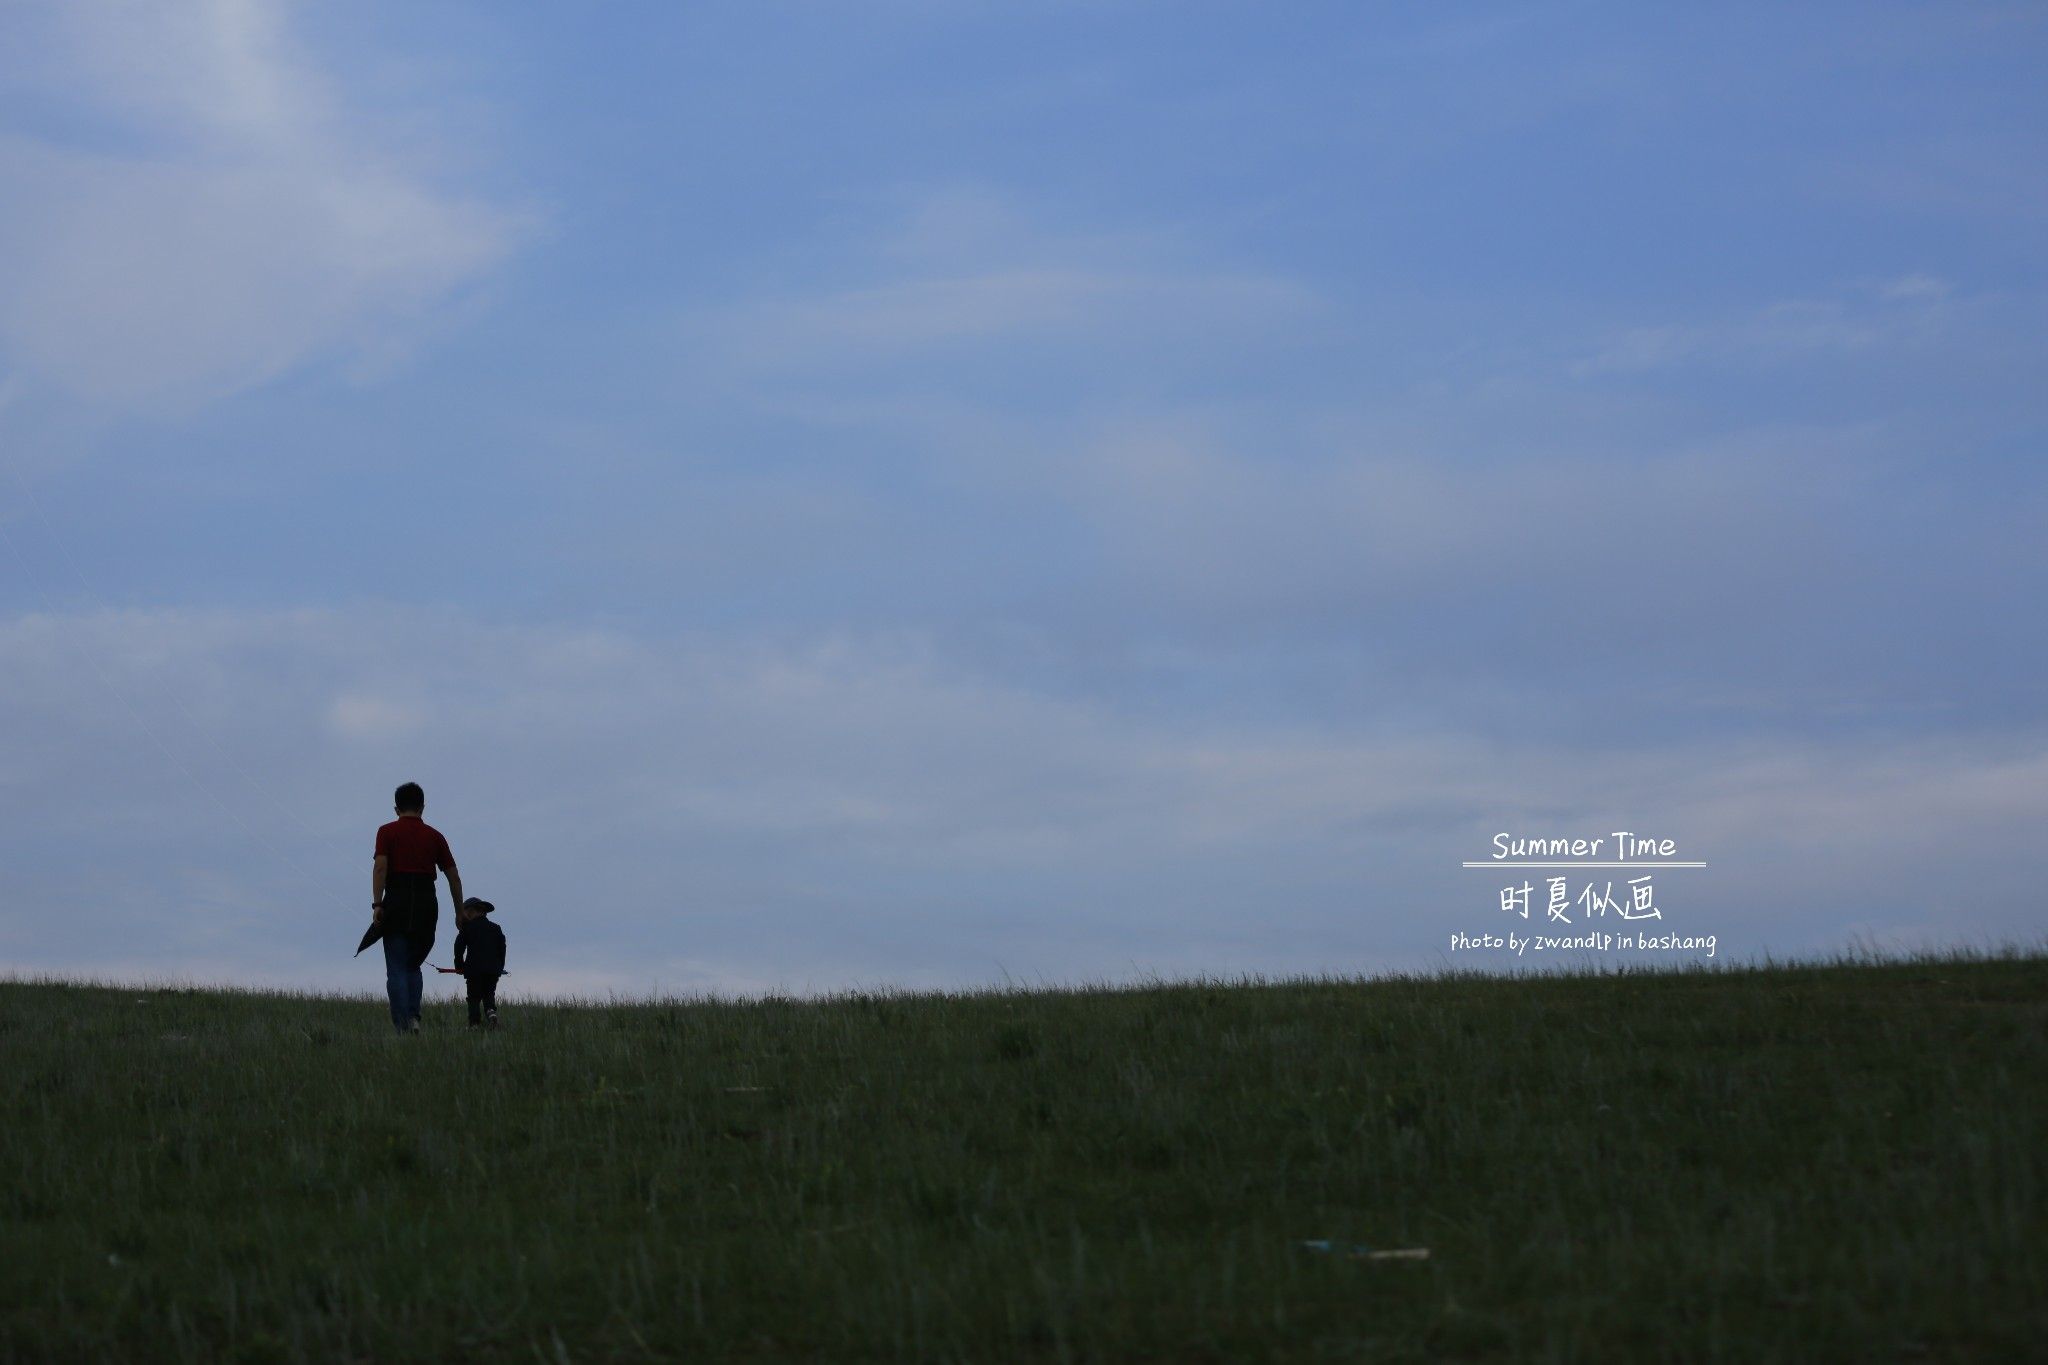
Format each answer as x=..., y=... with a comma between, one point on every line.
x=928, y=492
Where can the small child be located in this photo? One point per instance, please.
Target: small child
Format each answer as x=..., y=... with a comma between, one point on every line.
x=480, y=957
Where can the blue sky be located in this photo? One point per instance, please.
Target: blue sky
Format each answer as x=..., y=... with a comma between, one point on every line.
x=914, y=493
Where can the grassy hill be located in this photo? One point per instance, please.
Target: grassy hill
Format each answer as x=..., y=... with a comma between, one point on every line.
x=1840, y=1162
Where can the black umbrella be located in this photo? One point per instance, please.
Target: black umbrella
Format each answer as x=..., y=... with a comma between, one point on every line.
x=370, y=935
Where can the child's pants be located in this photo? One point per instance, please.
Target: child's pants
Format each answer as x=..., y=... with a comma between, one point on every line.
x=483, y=995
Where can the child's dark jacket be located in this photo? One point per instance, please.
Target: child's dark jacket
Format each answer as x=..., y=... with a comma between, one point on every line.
x=480, y=949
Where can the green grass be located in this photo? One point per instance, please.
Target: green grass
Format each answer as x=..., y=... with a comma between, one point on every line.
x=1836, y=1162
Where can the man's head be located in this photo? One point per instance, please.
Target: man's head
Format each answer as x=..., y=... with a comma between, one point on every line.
x=409, y=799
x=472, y=909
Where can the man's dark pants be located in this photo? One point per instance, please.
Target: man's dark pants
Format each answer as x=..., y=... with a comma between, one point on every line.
x=410, y=916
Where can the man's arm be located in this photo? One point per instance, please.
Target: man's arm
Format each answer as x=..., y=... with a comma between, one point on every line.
x=377, y=888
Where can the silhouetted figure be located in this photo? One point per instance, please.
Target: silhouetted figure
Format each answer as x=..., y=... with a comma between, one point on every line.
x=480, y=957
x=402, y=899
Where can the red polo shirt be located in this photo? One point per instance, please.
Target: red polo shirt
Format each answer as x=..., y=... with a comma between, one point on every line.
x=413, y=845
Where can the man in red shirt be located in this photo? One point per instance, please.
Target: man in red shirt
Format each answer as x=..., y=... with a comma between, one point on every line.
x=402, y=899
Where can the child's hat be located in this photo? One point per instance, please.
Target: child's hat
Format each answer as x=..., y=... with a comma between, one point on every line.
x=477, y=906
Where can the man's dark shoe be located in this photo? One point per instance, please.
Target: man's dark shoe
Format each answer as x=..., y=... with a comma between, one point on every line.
x=491, y=1019
x=415, y=1027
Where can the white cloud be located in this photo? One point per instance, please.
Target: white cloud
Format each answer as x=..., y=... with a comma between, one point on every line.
x=223, y=215
x=1888, y=312
x=960, y=268
x=1914, y=287
x=718, y=813
x=1197, y=515
x=927, y=312
x=364, y=717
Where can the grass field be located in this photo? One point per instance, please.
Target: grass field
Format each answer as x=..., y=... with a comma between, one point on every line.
x=1840, y=1163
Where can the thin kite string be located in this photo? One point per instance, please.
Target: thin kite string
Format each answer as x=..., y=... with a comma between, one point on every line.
x=142, y=721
